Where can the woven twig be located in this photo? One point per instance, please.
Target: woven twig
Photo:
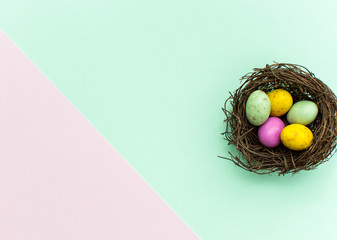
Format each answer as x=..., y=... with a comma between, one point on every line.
x=302, y=85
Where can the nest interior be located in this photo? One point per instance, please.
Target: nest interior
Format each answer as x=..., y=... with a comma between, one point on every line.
x=302, y=85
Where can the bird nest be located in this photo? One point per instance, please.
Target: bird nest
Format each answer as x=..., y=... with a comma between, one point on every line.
x=302, y=85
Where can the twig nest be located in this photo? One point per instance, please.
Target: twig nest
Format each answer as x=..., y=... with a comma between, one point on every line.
x=278, y=80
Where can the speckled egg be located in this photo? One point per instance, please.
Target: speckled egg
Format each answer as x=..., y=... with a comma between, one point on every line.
x=303, y=112
x=257, y=107
x=281, y=101
x=296, y=137
x=269, y=132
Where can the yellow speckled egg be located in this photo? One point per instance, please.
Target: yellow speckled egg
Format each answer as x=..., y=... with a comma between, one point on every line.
x=281, y=101
x=296, y=137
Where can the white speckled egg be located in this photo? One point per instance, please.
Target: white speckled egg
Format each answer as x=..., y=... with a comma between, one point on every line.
x=258, y=108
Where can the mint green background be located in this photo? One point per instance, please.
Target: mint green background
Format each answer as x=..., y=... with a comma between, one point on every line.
x=152, y=76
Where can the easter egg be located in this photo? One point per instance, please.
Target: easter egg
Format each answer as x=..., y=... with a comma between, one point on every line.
x=257, y=108
x=281, y=101
x=269, y=132
x=296, y=137
x=303, y=112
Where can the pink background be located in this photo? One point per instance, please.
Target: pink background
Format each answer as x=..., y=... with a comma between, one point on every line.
x=59, y=178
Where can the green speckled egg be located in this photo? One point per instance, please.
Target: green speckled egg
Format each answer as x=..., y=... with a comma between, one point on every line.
x=303, y=112
x=258, y=107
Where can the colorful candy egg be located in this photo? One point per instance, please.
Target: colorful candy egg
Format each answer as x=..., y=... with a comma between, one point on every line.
x=257, y=108
x=281, y=101
x=303, y=112
x=296, y=137
x=269, y=132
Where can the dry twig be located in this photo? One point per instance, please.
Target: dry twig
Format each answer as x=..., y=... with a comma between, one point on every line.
x=302, y=85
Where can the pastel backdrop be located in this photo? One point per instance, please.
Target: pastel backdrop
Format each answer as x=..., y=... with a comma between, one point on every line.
x=59, y=178
x=152, y=76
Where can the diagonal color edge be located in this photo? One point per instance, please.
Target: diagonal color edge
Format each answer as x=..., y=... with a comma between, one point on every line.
x=59, y=178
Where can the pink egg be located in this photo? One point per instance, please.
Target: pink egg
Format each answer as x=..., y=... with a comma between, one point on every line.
x=269, y=132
